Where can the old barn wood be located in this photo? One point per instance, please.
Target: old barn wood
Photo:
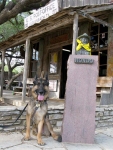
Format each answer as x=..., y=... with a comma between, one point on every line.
x=49, y=43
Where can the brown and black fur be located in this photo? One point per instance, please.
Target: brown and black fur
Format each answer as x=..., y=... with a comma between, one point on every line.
x=40, y=119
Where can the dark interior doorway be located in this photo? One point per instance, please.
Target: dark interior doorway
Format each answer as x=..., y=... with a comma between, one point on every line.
x=34, y=60
x=66, y=51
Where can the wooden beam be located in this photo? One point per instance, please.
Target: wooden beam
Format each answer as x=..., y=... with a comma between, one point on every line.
x=104, y=23
x=40, y=55
x=64, y=20
x=2, y=74
x=75, y=33
x=39, y=30
x=27, y=52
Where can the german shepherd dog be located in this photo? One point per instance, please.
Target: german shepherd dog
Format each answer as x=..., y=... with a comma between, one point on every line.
x=38, y=115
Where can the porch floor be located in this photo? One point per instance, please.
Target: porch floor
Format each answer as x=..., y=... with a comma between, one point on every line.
x=16, y=100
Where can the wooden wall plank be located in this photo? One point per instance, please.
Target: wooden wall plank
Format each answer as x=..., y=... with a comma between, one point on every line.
x=104, y=82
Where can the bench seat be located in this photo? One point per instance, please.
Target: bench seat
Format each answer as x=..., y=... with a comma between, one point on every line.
x=103, y=87
x=18, y=89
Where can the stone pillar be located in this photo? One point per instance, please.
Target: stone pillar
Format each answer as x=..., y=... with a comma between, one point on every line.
x=80, y=101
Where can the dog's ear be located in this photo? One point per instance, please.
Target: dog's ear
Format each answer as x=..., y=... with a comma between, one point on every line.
x=34, y=82
x=46, y=76
x=29, y=92
x=35, y=78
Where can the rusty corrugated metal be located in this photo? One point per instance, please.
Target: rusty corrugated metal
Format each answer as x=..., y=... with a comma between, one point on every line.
x=78, y=3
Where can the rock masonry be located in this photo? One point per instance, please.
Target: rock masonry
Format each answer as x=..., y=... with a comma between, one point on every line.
x=8, y=114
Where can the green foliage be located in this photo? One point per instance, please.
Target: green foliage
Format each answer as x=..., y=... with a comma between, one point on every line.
x=14, y=1
x=11, y=27
x=15, y=70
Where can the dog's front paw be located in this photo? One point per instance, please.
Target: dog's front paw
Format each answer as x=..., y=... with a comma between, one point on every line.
x=26, y=138
x=41, y=143
x=58, y=138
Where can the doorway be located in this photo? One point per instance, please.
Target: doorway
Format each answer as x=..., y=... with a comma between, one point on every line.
x=34, y=60
x=66, y=51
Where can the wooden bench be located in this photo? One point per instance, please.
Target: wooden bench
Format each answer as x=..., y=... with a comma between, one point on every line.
x=103, y=88
x=18, y=89
x=15, y=83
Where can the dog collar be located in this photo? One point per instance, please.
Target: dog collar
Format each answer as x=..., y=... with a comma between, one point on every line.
x=37, y=105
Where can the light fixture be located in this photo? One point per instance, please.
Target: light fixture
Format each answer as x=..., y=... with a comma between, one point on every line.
x=66, y=50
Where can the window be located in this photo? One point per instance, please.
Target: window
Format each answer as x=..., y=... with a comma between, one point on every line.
x=53, y=63
x=99, y=46
x=34, y=60
x=35, y=51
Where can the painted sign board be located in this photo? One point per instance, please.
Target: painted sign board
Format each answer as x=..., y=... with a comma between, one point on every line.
x=83, y=61
x=41, y=14
x=53, y=85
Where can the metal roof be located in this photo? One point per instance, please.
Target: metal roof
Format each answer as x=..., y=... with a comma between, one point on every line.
x=78, y=3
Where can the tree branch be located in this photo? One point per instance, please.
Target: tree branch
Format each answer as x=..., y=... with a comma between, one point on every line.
x=8, y=55
x=15, y=25
x=2, y=5
x=13, y=9
x=12, y=79
x=2, y=36
x=17, y=64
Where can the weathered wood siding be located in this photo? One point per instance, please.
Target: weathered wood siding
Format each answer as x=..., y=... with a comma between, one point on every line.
x=54, y=41
x=110, y=49
x=78, y=3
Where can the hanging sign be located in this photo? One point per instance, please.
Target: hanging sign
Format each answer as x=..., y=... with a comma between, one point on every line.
x=41, y=14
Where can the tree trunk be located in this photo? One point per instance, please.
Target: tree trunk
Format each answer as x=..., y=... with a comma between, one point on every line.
x=12, y=79
x=9, y=73
x=9, y=68
x=12, y=8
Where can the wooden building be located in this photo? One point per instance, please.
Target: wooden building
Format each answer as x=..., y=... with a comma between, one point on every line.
x=49, y=43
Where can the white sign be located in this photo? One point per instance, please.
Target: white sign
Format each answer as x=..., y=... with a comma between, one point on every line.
x=53, y=85
x=42, y=13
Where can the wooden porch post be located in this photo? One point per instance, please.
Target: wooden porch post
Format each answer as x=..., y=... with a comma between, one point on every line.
x=25, y=73
x=40, y=56
x=2, y=74
x=75, y=33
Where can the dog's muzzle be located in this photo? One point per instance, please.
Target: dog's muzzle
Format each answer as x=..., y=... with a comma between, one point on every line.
x=40, y=93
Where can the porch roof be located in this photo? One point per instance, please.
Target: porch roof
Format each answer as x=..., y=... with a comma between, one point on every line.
x=60, y=19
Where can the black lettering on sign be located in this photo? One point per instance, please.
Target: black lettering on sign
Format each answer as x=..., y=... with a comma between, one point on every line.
x=83, y=61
